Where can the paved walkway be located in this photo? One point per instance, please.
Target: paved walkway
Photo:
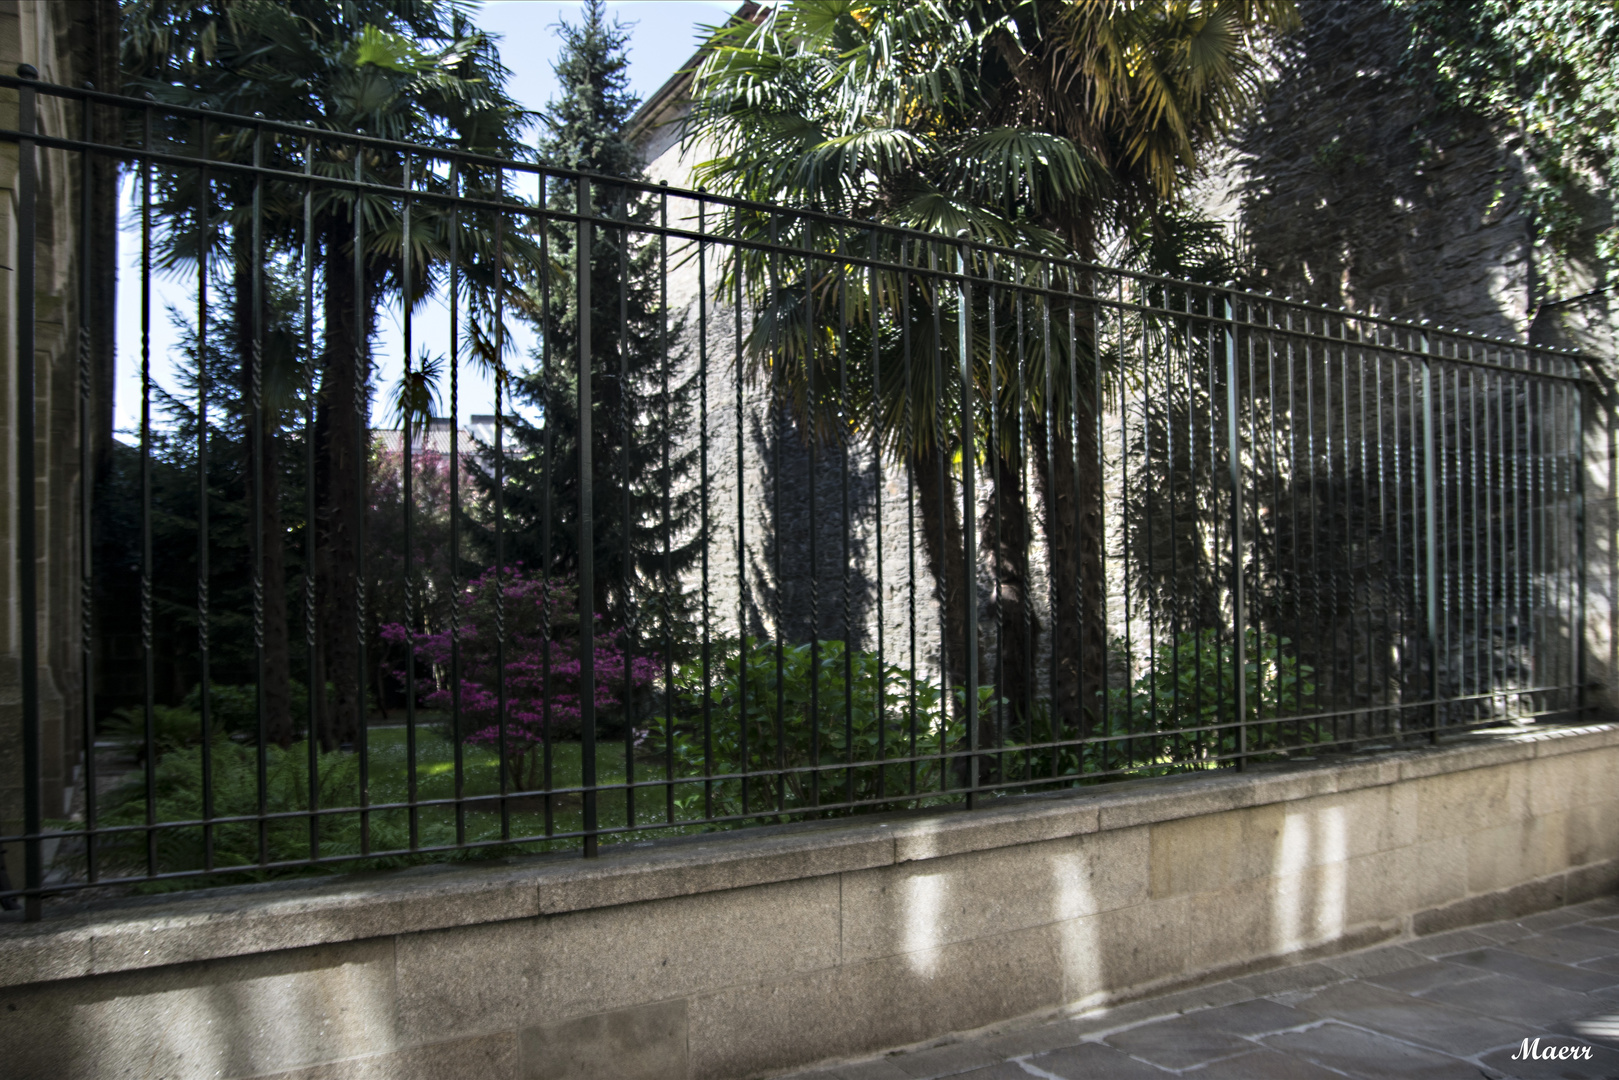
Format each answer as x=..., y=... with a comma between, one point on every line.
x=1452, y=1005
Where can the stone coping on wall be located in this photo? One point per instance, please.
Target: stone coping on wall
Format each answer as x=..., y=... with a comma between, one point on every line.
x=151, y=932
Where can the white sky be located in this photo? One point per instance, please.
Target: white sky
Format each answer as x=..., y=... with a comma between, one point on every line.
x=663, y=36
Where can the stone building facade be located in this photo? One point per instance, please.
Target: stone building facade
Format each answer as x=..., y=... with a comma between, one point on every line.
x=70, y=42
x=1349, y=186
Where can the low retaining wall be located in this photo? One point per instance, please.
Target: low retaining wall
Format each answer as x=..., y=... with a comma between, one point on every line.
x=743, y=955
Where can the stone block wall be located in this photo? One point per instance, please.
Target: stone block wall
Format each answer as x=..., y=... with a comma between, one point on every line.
x=750, y=955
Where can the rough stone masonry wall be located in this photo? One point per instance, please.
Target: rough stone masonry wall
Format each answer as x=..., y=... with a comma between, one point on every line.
x=751, y=955
x=1357, y=190
x=1354, y=186
x=68, y=43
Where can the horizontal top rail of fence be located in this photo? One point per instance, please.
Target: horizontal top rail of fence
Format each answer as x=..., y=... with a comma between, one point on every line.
x=777, y=514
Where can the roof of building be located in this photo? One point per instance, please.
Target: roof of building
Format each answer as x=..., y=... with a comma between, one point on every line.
x=667, y=103
x=437, y=436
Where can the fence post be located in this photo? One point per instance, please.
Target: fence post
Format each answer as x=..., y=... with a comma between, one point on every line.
x=969, y=526
x=587, y=541
x=33, y=861
x=1239, y=612
x=1580, y=641
x=1430, y=524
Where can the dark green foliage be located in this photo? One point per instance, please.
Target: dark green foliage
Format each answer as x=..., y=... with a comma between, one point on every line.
x=176, y=437
x=1191, y=685
x=834, y=708
x=641, y=388
x=234, y=772
x=1544, y=71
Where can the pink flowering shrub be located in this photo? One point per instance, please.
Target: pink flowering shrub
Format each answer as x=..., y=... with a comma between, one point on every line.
x=541, y=670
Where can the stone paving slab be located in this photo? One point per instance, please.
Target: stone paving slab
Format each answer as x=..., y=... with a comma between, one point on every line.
x=1461, y=1004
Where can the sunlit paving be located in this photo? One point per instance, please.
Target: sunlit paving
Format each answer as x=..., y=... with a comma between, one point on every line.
x=1532, y=997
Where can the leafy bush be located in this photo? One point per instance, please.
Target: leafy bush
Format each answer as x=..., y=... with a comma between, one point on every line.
x=231, y=709
x=235, y=708
x=541, y=670
x=174, y=727
x=831, y=706
x=1191, y=683
x=178, y=796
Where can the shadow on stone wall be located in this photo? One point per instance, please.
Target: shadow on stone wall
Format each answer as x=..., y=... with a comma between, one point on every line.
x=831, y=594
x=1364, y=192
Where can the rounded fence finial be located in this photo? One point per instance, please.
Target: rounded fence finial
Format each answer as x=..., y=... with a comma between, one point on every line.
x=27, y=71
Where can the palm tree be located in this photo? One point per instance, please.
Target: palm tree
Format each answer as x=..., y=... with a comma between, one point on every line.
x=407, y=70
x=1041, y=124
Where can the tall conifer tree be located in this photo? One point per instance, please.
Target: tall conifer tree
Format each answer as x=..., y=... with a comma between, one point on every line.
x=645, y=502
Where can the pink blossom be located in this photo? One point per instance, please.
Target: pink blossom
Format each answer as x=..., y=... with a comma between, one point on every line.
x=540, y=671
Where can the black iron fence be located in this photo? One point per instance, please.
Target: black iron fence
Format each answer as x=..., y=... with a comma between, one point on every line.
x=776, y=515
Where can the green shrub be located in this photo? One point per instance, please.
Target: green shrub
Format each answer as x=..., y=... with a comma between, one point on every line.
x=827, y=713
x=1191, y=683
x=178, y=796
x=174, y=727
x=236, y=707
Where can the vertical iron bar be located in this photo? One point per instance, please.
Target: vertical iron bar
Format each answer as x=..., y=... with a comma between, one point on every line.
x=814, y=520
x=627, y=573
x=843, y=445
x=1579, y=541
x=148, y=658
x=1052, y=617
x=995, y=479
x=458, y=763
x=778, y=349
x=1125, y=600
x=498, y=333
x=969, y=519
x=548, y=449
x=33, y=822
x=406, y=489
x=586, y=542
x=1363, y=532
x=311, y=643
x=87, y=685
x=256, y=453
x=1475, y=579
x=702, y=485
x=877, y=467
x=1383, y=520
x=945, y=689
x=204, y=672
x=1276, y=511
x=362, y=436
x=738, y=375
x=1430, y=538
x=1239, y=612
x=1058, y=735
x=668, y=565
x=1101, y=503
x=1155, y=745
x=1025, y=412
x=907, y=396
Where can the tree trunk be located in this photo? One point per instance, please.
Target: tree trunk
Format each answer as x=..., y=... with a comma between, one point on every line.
x=263, y=481
x=340, y=486
x=1071, y=493
x=1005, y=534
x=941, y=542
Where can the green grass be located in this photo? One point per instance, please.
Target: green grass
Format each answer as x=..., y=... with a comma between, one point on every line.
x=480, y=772
x=525, y=827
